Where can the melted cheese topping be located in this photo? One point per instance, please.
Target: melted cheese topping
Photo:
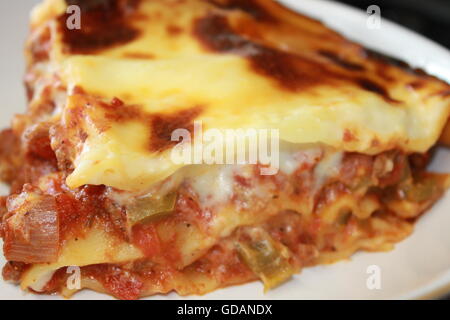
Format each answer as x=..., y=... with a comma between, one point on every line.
x=167, y=69
x=215, y=186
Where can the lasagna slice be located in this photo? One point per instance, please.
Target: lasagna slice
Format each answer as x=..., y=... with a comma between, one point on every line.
x=94, y=190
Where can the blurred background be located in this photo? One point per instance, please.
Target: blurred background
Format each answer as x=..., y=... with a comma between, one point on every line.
x=428, y=17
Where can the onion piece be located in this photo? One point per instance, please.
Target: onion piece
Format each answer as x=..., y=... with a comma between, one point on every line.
x=31, y=228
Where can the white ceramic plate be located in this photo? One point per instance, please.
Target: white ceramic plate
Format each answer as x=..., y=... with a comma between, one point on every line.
x=419, y=266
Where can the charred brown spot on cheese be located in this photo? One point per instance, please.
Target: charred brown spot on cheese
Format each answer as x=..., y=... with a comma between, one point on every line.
x=291, y=71
x=349, y=136
x=118, y=111
x=138, y=55
x=341, y=62
x=174, y=30
x=386, y=60
x=251, y=7
x=163, y=125
x=78, y=90
x=443, y=93
x=215, y=33
x=105, y=24
x=417, y=85
x=374, y=87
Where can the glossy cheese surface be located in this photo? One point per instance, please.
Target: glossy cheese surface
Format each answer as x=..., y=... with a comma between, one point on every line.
x=138, y=70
